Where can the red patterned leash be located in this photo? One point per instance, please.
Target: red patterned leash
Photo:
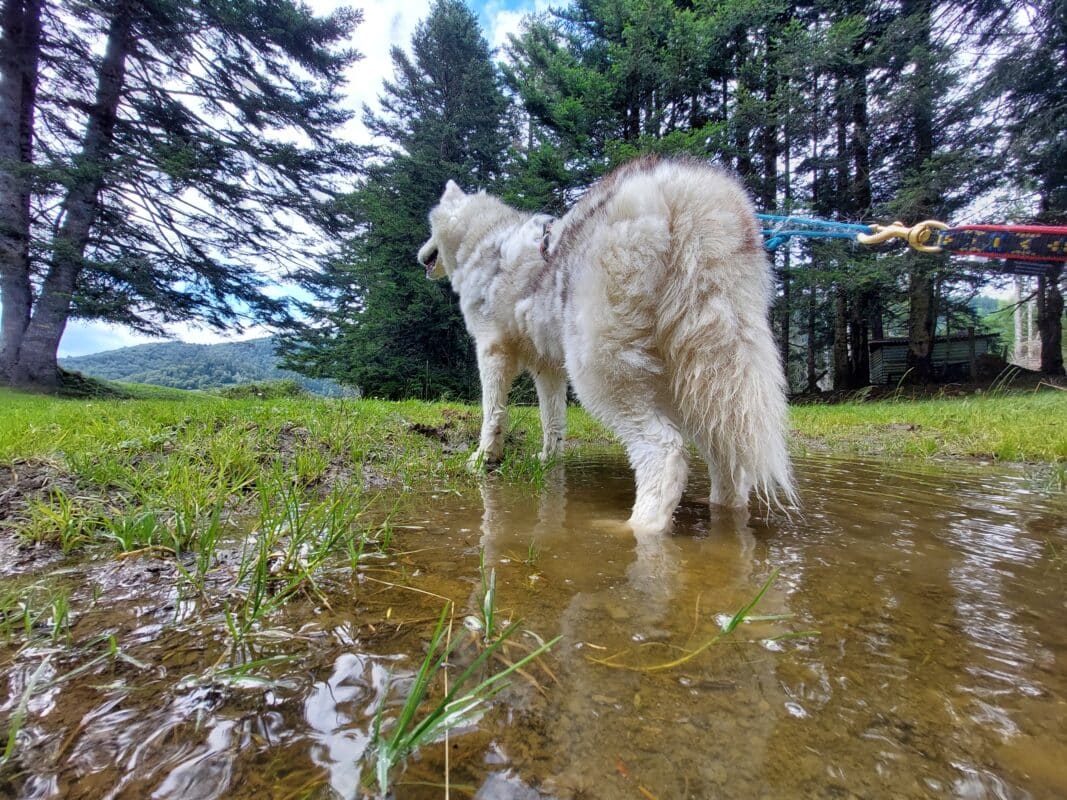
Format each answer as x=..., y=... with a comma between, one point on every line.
x=1046, y=243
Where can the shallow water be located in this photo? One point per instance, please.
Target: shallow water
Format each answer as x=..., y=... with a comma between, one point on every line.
x=940, y=667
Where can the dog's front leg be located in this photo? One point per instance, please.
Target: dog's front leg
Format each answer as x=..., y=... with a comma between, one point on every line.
x=496, y=368
x=552, y=400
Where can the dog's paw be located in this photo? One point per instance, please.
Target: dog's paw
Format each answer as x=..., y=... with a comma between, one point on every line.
x=550, y=458
x=615, y=527
x=727, y=501
x=476, y=461
x=650, y=524
x=480, y=460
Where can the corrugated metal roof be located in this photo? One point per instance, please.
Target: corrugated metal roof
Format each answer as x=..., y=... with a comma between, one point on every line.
x=956, y=337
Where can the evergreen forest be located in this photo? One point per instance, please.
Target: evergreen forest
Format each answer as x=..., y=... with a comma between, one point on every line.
x=165, y=161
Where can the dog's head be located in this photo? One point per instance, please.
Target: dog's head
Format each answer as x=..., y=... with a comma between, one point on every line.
x=438, y=255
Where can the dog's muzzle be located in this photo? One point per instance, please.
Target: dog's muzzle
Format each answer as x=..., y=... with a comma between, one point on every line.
x=428, y=258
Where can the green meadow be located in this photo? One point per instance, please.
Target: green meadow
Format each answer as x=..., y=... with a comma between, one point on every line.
x=1021, y=427
x=146, y=471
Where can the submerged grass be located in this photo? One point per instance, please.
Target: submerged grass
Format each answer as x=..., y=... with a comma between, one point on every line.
x=461, y=704
x=34, y=610
x=726, y=628
x=297, y=536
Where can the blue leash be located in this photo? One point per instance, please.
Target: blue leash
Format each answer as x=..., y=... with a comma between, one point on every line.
x=813, y=229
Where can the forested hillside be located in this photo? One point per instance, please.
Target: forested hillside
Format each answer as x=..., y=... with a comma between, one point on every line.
x=195, y=366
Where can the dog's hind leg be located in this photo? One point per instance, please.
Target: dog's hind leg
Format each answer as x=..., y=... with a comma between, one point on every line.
x=631, y=407
x=496, y=369
x=552, y=401
x=658, y=457
x=730, y=485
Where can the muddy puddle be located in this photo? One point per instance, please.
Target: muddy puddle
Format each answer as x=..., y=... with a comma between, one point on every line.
x=939, y=595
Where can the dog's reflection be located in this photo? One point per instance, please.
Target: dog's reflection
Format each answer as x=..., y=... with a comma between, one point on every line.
x=568, y=538
x=640, y=599
x=511, y=512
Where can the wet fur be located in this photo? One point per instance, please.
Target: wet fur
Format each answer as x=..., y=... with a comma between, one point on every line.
x=654, y=302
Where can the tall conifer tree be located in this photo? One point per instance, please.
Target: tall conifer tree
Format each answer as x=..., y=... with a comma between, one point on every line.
x=162, y=149
x=381, y=325
x=1032, y=79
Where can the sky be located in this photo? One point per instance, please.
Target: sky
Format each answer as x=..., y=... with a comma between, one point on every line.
x=386, y=23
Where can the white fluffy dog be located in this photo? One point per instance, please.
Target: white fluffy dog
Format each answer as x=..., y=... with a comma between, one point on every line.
x=652, y=296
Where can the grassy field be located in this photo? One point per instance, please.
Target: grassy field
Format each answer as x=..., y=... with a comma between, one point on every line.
x=154, y=472
x=148, y=472
x=1030, y=427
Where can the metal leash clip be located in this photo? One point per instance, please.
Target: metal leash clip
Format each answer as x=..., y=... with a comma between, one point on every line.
x=917, y=236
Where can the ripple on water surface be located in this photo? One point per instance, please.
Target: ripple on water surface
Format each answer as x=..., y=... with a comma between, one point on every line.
x=938, y=594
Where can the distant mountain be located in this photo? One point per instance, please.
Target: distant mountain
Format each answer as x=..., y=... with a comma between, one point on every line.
x=195, y=366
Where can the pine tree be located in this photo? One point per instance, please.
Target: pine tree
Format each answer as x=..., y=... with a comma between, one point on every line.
x=1032, y=79
x=380, y=325
x=934, y=152
x=604, y=82
x=168, y=147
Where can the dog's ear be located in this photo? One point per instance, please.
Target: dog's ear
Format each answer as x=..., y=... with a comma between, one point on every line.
x=452, y=191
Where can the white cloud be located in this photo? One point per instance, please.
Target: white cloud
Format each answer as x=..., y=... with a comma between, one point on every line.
x=502, y=21
x=505, y=23
x=385, y=24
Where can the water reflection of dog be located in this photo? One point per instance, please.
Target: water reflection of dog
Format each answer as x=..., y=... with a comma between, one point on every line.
x=671, y=731
x=580, y=550
x=609, y=592
x=503, y=529
x=584, y=553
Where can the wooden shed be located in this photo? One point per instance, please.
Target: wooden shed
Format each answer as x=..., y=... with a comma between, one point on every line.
x=952, y=356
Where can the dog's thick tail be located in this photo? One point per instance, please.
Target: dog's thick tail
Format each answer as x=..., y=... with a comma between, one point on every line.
x=726, y=374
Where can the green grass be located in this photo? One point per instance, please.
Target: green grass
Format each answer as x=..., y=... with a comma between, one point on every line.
x=162, y=472
x=167, y=472
x=462, y=703
x=1027, y=426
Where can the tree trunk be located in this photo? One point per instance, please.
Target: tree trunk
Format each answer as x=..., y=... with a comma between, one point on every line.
x=813, y=380
x=920, y=324
x=769, y=144
x=1050, y=320
x=874, y=319
x=37, y=366
x=861, y=157
x=19, y=56
x=741, y=121
x=920, y=283
x=841, y=371
x=842, y=178
x=783, y=343
x=1017, y=353
x=859, y=337
x=770, y=147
